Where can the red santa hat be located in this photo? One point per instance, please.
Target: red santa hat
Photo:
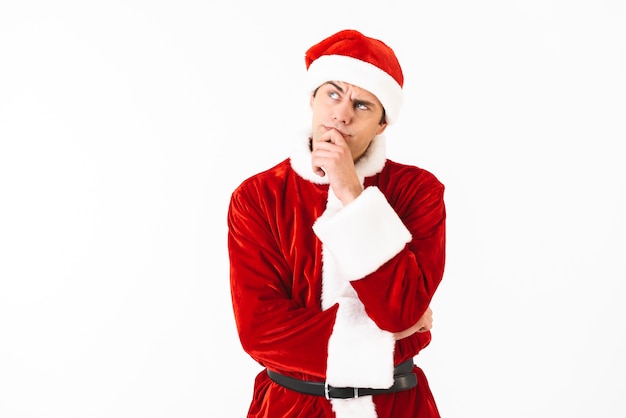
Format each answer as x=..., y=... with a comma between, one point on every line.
x=354, y=58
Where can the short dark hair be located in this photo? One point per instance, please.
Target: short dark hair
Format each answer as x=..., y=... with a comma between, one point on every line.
x=383, y=119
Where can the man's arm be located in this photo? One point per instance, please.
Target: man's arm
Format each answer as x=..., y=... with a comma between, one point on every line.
x=424, y=324
x=391, y=246
x=274, y=329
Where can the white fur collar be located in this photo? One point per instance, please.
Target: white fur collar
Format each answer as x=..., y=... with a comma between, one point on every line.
x=372, y=162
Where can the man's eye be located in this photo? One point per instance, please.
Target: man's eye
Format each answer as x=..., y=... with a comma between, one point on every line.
x=333, y=95
x=361, y=106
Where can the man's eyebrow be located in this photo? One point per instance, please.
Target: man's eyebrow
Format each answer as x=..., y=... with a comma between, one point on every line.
x=336, y=86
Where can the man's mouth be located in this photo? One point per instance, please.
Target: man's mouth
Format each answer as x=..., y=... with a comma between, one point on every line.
x=329, y=128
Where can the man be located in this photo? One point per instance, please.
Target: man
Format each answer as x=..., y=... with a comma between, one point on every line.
x=337, y=251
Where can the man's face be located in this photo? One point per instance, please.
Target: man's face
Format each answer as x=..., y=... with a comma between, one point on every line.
x=354, y=112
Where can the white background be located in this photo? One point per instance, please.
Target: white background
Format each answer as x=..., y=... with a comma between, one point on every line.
x=125, y=125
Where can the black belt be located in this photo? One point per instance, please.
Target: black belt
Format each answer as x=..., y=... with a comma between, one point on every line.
x=403, y=379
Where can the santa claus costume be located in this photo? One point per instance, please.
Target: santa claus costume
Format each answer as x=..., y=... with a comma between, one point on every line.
x=318, y=288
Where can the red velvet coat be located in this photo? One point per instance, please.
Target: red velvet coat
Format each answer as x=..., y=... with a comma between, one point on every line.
x=319, y=289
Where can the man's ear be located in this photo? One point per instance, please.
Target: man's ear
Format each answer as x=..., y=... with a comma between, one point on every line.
x=381, y=128
x=311, y=101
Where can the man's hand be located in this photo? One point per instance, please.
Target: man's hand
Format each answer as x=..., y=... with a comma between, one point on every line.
x=425, y=323
x=331, y=156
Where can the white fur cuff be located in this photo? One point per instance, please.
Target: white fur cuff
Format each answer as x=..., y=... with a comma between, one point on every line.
x=363, y=235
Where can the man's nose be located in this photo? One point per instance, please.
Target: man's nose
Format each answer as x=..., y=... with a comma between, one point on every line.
x=343, y=112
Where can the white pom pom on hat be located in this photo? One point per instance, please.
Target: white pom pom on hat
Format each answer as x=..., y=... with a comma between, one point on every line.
x=354, y=58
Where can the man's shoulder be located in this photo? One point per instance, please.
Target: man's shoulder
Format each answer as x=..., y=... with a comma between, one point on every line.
x=265, y=177
x=409, y=186
x=410, y=174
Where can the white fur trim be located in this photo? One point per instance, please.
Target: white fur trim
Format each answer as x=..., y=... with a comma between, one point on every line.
x=372, y=162
x=363, y=235
x=361, y=74
x=334, y=286
x=354, y=408
x=359, y=353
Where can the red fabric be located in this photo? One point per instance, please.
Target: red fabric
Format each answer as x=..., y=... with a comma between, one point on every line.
x=352, y=43
x=276, y=276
